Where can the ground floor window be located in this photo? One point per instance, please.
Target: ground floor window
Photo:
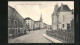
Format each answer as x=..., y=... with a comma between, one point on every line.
x=63, y=25
x=68, y=26
x=15, y=22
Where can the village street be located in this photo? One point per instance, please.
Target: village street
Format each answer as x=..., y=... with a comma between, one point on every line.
x=33, y=37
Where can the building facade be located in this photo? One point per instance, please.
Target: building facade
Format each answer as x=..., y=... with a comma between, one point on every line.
x=30, y=23
x=37, y=24
x=16, y=23
x=61, y=17
x=62, y=24
x=46, y=26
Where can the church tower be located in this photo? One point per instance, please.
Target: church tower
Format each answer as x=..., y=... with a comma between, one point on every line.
x=41, y=18
x=41, y=22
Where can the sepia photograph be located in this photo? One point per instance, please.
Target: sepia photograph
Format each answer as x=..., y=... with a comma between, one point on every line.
x=41, y=22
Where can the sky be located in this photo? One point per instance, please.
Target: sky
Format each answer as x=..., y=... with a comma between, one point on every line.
x=34, y=9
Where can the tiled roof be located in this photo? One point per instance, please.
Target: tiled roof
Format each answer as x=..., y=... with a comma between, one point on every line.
x=28, y=18
x=64, y=7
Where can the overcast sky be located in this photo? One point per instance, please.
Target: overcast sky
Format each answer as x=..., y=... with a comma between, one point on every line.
x=34, y=9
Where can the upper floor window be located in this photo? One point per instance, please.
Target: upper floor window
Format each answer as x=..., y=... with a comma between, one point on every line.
x=63, y=17
x=15, y=22
x=28, y=23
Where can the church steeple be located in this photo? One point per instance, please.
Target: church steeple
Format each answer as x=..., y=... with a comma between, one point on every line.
x=41, y=18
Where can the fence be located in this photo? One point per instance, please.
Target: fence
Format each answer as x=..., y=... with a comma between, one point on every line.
x=65, y=36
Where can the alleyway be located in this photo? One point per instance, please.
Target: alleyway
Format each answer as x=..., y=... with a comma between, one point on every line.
x=33, y=37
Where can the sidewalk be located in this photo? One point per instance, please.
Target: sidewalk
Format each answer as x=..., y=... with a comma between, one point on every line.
x=52, y=39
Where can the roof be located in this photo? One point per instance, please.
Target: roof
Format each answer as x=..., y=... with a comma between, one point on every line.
x=37, y=21
x=11, y=7
x=28, y=18
x=65, y=8
x=45, y=23
x=15, y=11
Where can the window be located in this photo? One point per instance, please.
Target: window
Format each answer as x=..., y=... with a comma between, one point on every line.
x=28, y=23
x=15, y=30
x=63, y=25
x=63, y=17
x=15, y=22
x=68, y=26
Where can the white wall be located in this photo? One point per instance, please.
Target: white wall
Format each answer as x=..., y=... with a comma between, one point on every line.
x=68, y=16
x=37, y=24
x=54, y=22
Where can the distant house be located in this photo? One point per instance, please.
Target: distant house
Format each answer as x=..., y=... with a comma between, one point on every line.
x=45, y=26
x=30, y=23
x=37, y=24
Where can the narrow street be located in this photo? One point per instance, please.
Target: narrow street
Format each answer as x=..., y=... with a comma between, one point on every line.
x=33, y=37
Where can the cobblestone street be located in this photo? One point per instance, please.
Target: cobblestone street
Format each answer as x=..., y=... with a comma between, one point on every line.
x=33, y=37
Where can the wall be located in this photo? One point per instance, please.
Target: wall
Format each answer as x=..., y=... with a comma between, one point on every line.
x=13, y=16
x=31, y=24
x=68, y=16
x=37, y=25
x=54, y=22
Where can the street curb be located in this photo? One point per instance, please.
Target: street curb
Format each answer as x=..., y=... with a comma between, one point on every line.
x=52, y=39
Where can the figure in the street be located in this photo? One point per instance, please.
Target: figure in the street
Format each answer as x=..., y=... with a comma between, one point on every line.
x=28, y=28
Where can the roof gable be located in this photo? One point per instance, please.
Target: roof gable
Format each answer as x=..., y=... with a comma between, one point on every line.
x=64, y=8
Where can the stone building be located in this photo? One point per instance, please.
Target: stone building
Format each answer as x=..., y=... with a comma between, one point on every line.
x=16, y=23
x=30, y=23
x=62, y=24
x=61, y=17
